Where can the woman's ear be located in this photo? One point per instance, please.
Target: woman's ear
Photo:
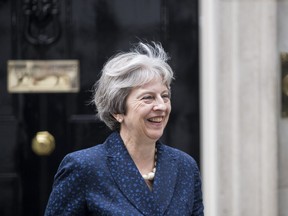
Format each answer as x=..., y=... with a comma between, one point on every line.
x=118, y=117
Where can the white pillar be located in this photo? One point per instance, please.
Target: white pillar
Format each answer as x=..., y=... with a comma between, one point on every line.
x=239, y=97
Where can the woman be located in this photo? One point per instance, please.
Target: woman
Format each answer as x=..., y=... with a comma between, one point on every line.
x=132, y=172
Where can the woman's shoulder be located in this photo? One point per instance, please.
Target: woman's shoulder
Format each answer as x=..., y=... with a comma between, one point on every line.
x=181, y=156
x=85, y=157
x=187, y=167
x=88, y=152
x=95, y=155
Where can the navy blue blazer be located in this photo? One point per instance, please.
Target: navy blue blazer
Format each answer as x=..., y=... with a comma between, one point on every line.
x=104, y=180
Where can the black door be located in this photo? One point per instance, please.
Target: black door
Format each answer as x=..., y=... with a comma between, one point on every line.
x=89, y=31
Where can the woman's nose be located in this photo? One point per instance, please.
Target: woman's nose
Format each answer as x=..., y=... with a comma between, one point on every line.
x=159, y=105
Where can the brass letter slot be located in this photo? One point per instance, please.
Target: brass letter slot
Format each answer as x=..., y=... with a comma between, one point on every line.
x=43, y=76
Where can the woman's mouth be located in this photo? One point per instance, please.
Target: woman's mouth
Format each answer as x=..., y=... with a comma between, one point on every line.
x=155, y=119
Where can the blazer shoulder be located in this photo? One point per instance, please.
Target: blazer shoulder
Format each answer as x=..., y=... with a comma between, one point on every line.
x=186, y=163
x=85, y=157
x=181, y=156
x=95, y=156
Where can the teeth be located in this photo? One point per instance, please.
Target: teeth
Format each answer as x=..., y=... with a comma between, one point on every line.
x=156, y=119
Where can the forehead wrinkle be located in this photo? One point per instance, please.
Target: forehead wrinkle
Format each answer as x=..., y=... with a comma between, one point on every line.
x=154, y=90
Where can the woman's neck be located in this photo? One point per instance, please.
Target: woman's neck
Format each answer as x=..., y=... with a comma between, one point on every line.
x=141, y=151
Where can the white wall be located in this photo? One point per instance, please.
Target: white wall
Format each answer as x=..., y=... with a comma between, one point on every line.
x=239, y=107
x=283, y=122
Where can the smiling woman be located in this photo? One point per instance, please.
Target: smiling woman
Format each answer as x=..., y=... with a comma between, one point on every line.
x=147, y=112
x=125, y=71
x=132, y=172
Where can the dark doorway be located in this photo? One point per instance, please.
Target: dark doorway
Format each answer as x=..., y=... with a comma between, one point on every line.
x=88, y=31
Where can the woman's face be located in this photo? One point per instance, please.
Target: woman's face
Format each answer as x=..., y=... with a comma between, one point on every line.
x=147, y=111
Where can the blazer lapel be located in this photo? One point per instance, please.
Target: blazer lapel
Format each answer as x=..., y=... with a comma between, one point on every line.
x=127, y=176
x=165, y=178
x=131, y=183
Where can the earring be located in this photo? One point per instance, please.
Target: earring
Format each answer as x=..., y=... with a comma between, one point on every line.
x=120, y=120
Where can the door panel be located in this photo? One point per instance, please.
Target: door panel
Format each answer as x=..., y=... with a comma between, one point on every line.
x=88, y=31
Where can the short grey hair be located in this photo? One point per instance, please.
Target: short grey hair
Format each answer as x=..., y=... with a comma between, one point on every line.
x=124, y=71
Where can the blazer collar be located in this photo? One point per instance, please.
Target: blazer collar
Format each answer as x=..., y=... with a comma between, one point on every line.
x=132, y=185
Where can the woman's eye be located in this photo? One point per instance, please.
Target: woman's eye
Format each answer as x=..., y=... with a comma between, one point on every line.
x=166, y=97
x=148, y=98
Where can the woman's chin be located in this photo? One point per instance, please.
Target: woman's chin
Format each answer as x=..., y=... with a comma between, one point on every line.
x=155, y=135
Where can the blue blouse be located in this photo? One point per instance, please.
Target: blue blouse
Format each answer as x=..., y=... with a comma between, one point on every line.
x=104, y=180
